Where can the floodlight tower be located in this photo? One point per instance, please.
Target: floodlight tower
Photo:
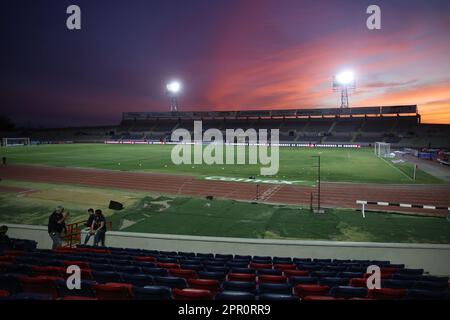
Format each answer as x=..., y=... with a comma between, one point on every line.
x=173, y=88
x=344, y=82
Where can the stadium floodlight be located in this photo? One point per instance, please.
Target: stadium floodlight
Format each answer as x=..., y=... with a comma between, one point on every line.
x=345, y=78
x=173, y=88
x=342, y=82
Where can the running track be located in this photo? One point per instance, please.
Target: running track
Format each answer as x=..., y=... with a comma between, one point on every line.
x=341, y=195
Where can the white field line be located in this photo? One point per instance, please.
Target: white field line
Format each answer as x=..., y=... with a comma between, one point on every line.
x=396, y=168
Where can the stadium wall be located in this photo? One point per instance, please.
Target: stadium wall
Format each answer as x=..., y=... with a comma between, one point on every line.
x=434, y=258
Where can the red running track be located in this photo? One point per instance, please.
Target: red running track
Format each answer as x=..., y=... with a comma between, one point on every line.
x=338, y=195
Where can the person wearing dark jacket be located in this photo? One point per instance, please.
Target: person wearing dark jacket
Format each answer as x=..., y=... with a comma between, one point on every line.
x=89, y=225
x=57, y=225
x=99, y=228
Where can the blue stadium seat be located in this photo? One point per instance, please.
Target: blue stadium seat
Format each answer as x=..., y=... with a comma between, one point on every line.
x=301, y=260
x=85, y=291
x=167, y=260
x=309, y=267
x=22, y=269
x=282, y=260
x=275, y=288
x=243, y=270
x=30, y=296
x=172, y=282
x=397, y=284
x=191, y=262
x=144, y=264
x=155, y=271
x=241, y=257
x=416, y=272
x=234, y=295
x=152, y=293
x=431, y=285
x=358, y=268
x=213, y=263
x=334, y=281
x=416, y=294
x=217, y=269
x=435, y=278
x=239, y=286
x=273, y=272
x=106, y=276
x=405, y=276
x=323, y=274
x=275, y=296
x=101, y=267
x=128, y=269
x=350, y=275
x=212, y=275
x=322, y=261
x=335, y=268
x=224, y=256
x=10, y=283
x=302, y=280
x=348, y=292
x=196, y=267
x=167, y=253
x=186, y=254
x=205, y=255
x=139, y=280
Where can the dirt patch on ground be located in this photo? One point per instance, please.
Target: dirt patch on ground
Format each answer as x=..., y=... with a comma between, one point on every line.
x=5, y=189
x=164, y=204
x=88, y=198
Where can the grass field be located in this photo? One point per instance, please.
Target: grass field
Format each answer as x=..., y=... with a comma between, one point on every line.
x=299, y=164
x=225, y=218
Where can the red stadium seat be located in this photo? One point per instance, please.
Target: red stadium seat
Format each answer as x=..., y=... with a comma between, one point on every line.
x=387, y=294
x=295, y=273
x=191, y=294
x=271, y=279
x=76, y=298
x=248, y=277
x=112, y=291
x=168, y=265
x=304, y=290
x=145, y=259
x=358, y=282
x=260, y=265
x=284, y=266
x=206, y=284
x=49, y=271
x=42, y=284
x=320, y=298
x=13, y=253
x=7, y=258
x=4, y=293
x=183, y=273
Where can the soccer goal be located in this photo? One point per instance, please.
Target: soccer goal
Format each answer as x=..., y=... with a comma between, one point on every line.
x=12, y=142
x=383, y=149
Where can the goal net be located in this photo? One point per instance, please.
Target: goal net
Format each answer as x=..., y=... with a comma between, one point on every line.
x=12, y=142
x=383, y=149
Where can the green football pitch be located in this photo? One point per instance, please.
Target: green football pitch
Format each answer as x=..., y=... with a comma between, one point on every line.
x=151, y=213
x=295, y=164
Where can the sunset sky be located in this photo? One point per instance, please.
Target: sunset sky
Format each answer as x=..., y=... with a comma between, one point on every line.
x=228, y=54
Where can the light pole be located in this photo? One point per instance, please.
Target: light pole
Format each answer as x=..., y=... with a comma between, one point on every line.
x=342, y=82
x=319, y=210
x=173, y=88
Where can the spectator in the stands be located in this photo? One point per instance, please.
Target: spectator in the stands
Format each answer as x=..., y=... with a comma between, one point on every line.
x=89, y=225
x=57, y=225
x=4, y=160
x=99, y=228
x=5, y=241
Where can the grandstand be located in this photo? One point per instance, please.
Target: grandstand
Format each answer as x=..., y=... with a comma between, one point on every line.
x=142, y=274
x=399, y=125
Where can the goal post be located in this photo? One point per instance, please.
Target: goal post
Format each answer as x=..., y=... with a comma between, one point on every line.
x=382, y=149
x=12, y=142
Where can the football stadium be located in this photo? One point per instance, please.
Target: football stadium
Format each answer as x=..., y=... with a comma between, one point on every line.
x=250, y=203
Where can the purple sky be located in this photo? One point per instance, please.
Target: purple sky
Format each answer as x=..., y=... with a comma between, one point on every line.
x=229, y=55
